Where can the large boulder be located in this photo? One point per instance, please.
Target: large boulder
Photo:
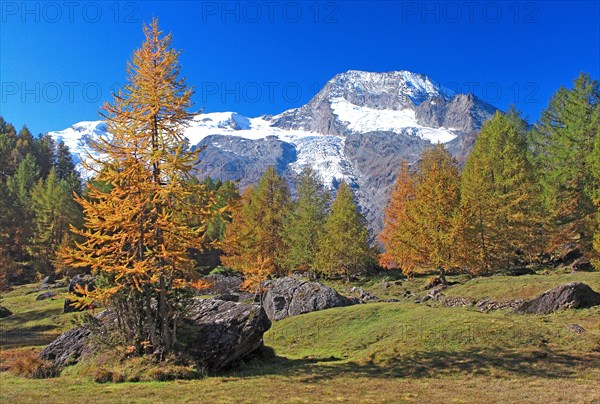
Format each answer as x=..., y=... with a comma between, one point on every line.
x=217, y=333
x=572, y=295
x=83, y=281
x=224, y=332
x=286, y=297
x=68, y=348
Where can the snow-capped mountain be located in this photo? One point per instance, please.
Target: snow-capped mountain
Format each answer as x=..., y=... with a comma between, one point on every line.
x=357, y=129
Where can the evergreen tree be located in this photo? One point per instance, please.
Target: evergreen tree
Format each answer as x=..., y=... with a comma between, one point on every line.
x=305, y=222
x=254, y=240
x=596, y=174
x=56, y=211
x=8, y=141
x=44, y=149
x=64, y=162
x=21, y=214
x=137, y=235
x=563, y=143
x=344, y=246
x=500, y=215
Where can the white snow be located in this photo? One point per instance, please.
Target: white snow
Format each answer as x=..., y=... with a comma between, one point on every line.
x=324, y=153
x=417, y=87
x=363, y=119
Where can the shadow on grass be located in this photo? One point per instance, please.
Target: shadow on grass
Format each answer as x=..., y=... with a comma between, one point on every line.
x=31, y=336
x=16, y=332
x=546, y=363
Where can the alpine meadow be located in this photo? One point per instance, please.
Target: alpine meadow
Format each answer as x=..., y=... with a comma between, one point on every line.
x=355, y=233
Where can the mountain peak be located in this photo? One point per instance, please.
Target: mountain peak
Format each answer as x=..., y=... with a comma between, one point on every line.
x=407, y=87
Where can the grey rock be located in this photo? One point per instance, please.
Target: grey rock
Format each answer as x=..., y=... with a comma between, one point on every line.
x=228, y=298
x=572, y=295
x=375, y=158
x=286, y=297
x=486, y=305
x=582, y=264
x=363, y=295
x=78, y=280
x=4, y=312
x=225, y=332
x=576, y=328
x=68, y=348
x=48, y=280
x=46, y=295
x=436, y=294
x=454, y=301
x=220, y=333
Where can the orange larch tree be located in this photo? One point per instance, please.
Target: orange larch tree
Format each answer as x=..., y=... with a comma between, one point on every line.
x=137, y=236
x=395, y=216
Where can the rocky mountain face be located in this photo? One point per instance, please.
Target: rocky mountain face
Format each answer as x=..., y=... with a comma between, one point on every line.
x=356, y=129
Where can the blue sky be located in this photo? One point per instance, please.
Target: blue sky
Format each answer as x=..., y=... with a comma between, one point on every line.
x=59, y=61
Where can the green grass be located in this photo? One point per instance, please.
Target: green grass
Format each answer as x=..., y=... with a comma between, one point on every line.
x=493, y=287
x=34, y=323
x=381, y=352
x=520, y=287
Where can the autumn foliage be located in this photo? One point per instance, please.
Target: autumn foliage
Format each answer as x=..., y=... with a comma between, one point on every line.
x=418, y=231
x=137, y=234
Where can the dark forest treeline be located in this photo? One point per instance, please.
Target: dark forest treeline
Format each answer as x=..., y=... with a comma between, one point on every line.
x=37, y=183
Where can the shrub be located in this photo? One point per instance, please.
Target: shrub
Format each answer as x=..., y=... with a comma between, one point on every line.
x=30, y=365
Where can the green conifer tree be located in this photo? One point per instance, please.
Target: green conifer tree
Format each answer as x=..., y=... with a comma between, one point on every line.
x=500, y=216
x=305, y=222
x=344, y=247
x=563, y=143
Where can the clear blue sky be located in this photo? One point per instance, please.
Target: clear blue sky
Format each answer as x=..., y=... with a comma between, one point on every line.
x=60, y=60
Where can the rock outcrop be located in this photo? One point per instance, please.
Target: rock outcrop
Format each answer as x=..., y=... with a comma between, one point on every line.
x=224, y=332
x=217, y=334
x=286, y=297
x=574, y=295
x=68, y=348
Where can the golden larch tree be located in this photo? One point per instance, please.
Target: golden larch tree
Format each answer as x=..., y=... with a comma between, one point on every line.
x=394, y=254
x=137, y=235
x=420, y=215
